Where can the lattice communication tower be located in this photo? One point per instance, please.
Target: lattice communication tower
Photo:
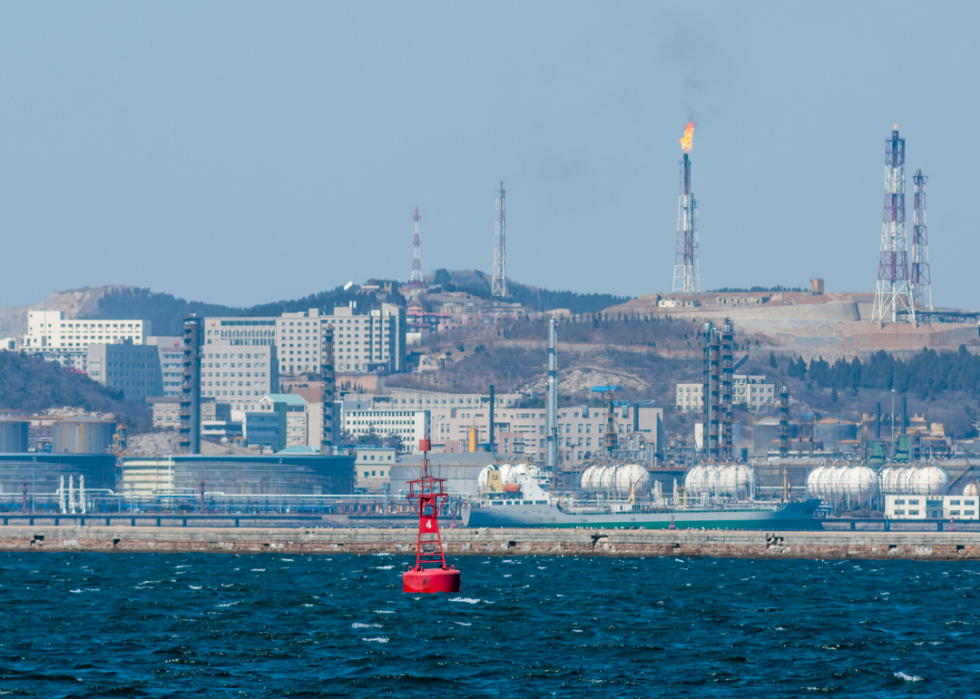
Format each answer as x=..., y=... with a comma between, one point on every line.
x=416, y=281
x=893, y=296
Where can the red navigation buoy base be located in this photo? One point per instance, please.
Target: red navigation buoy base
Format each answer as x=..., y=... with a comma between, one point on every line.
x=428, y=496
x=431, y=580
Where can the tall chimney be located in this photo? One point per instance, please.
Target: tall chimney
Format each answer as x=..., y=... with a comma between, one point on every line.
x=492, y=401
x=190, y=392
x=552, y=454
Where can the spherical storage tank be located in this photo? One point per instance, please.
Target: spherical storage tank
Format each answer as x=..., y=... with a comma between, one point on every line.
x=914, y=480
x=731, y=480
x=617, y=480
x=839, y=484
x=971, y=489
x=82, y=436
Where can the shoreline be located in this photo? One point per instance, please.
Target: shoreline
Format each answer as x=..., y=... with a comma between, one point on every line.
x=826, y=545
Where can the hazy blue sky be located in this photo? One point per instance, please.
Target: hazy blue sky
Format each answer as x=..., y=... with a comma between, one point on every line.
x=245, y=152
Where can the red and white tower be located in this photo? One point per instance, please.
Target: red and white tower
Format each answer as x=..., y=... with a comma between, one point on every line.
x=921, y=277
x=893, y=296
x=687, y=279
x=416, y=281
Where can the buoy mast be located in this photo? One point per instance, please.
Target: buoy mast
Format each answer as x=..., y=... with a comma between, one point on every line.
x=428, y=496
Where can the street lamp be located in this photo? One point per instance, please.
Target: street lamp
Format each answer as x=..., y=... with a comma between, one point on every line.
x=893, y=415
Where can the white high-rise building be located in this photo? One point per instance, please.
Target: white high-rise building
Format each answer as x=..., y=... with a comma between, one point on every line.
x=66, y=340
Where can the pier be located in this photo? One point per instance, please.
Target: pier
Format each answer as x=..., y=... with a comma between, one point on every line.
x=918, y=545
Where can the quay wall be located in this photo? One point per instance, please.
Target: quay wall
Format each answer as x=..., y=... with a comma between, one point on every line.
x=506, y=542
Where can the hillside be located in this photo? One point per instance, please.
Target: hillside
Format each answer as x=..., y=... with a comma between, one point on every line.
x=30, y=385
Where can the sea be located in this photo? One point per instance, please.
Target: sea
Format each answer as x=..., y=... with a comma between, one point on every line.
x=222, y=625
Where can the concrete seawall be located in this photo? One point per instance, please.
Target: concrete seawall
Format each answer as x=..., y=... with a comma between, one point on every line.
x=506, y=542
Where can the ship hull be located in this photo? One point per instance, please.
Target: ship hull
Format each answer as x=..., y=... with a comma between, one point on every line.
x=791, y=516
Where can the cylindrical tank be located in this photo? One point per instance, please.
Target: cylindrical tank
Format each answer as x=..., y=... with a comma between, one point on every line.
x=840, y=484
x=82, y=436
x=831, y=432
x=617, y=480
x=765, y=434
x=13, y=436
x=914, y=480
x=728, y=480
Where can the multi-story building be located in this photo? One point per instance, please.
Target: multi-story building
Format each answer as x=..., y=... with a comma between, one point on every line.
x=358, y=342
x=753, y=391
x=133, y=369
x=689, y=397
x=408, y=425
x=66, y=340
x=171, y=362
x=747, y=389
x=519, y=432
x=238, y=374
x=166, y=412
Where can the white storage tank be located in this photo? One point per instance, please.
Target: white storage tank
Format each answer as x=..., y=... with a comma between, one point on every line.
x=727, y=480
x=843, y=484
x=971, y=489
x=914, y=480
x=617, y=480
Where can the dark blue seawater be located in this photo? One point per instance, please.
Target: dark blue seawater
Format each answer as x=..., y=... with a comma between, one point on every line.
x=190, y=625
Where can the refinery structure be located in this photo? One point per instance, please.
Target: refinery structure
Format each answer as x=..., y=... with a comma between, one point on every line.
x=292, y=412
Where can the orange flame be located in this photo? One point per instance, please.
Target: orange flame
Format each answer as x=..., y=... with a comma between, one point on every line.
x=687, y=143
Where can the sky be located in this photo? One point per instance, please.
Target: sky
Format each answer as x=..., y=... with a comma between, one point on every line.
x=247, y=152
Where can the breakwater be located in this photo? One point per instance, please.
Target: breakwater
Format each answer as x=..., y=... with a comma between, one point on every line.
x=507, y=542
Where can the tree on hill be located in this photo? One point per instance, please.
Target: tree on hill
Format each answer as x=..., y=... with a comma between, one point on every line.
x=30, y=385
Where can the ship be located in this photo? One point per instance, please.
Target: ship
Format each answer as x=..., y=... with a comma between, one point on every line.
x=530, y=505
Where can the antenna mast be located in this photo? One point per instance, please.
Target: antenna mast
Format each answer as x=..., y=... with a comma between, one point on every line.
x=416, y=280
x=499, y=285
x=921, y=276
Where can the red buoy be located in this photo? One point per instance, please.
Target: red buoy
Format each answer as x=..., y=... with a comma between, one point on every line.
x=428, y=496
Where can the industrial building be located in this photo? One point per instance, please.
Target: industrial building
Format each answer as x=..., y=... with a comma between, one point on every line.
x=24, y=475
x=275, y=474
x=459, y=470
x=373, y=466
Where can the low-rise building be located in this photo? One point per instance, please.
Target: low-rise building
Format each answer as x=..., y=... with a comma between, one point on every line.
x=166, y=412
x=372, y=466
x=265, y=429
x=912, y=507
x=753, y=390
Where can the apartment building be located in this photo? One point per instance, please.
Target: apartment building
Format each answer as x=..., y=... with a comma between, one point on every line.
x=304, y=341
